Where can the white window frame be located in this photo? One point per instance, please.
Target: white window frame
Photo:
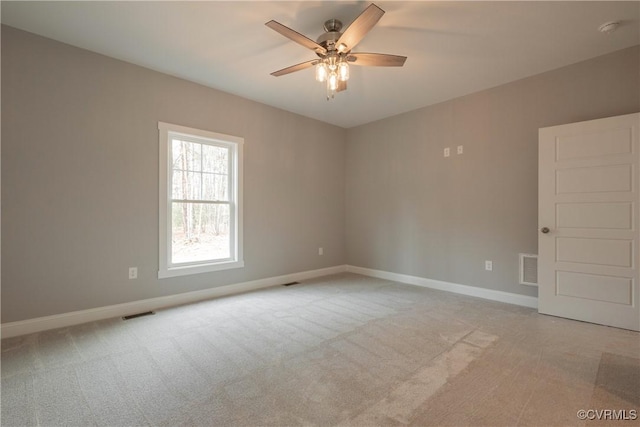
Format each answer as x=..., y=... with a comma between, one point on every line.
x=235, y=144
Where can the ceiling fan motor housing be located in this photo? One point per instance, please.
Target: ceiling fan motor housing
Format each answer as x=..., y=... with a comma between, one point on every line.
x=332, y=34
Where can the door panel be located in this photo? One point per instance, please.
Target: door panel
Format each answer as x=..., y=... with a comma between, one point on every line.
x=595, y=287
x=594, y=215
x=588, y=199
x=611, y=252
x=594, y=179
x=596, y=144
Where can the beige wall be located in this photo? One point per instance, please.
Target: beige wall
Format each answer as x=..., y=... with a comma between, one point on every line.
x=80, y=180
x=412, y=211
x=80, y=177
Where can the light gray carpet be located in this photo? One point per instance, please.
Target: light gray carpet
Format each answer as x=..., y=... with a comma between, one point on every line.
x=341, y=350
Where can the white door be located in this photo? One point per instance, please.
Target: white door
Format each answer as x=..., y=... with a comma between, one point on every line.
x=588, y=221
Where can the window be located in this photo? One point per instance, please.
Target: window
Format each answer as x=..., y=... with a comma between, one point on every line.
x=200, y=201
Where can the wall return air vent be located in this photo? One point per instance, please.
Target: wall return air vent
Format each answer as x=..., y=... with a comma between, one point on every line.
x=529, y=269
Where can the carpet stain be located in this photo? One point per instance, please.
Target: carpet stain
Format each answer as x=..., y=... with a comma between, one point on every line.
x=402, y=403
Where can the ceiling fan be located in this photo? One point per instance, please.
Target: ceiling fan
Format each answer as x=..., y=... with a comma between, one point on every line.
x=333, y=49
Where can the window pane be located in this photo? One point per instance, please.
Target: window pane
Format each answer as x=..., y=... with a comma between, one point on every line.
x=200, y=232
x=186, y=155
x=176, y=153
x=215, y=187
x=215, y=159
x=186, y=185
x=177, y=186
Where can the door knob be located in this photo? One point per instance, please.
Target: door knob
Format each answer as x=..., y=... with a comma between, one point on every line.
x=545, y=230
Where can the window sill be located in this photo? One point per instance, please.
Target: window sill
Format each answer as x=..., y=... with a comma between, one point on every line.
x=198, y=269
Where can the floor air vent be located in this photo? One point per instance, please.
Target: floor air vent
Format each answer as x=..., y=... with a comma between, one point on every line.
x=133, y=316
x=292, y=283
x=529, y=269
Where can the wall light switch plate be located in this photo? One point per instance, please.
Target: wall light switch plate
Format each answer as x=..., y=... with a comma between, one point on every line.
x=447, y=152
x=320, y=251
x=460, y=149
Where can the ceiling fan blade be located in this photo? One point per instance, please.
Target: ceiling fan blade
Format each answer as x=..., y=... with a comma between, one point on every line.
x=295, y=36
x=359, y=28
x=342, y=85
x=376, y=59
x=294, y=68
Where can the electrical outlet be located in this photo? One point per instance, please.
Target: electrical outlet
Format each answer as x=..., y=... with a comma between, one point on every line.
x=133, y=272
x=320, y=251
x=488, y=265
x=460, y=149
x=447, y=152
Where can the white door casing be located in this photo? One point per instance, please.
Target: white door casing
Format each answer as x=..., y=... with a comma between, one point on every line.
x=588, y=195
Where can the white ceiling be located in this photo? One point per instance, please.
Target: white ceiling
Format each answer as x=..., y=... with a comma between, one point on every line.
x=453, y=48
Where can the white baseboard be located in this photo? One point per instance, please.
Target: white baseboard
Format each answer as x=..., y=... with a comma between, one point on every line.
x=39, y=324
x=29, y=326
x=473, y=291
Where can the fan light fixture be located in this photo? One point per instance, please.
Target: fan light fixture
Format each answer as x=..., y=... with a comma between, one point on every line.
x=332, y=69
